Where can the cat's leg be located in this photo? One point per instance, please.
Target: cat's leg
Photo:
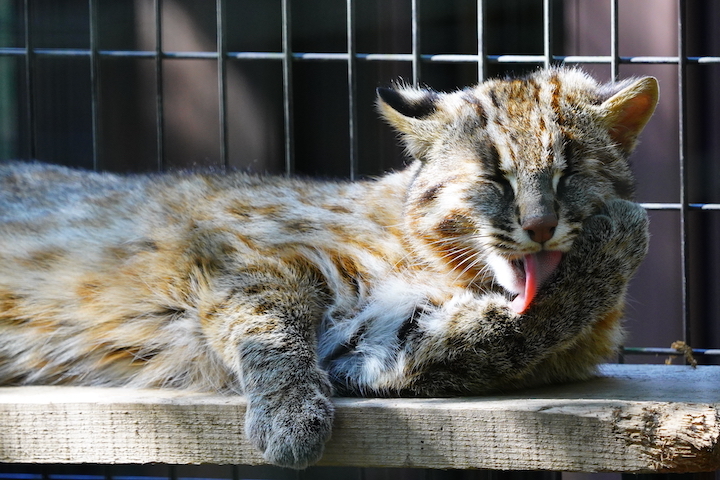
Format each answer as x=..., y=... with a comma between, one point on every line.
x=475, y=343
x=265, y=331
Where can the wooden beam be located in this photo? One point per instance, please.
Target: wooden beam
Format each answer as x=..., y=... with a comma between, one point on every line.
x=649, y=418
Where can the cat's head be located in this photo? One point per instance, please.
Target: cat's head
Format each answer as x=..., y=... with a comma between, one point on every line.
x=511, y=168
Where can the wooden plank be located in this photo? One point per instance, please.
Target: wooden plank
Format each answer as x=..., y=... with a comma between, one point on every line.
x=632, y=419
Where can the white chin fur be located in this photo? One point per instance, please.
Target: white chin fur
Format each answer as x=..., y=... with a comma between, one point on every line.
x=505, y=274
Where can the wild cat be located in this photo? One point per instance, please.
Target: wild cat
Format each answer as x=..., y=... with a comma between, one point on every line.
x=499, y=258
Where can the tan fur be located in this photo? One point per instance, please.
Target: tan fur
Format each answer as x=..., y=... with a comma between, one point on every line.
x=285, y=289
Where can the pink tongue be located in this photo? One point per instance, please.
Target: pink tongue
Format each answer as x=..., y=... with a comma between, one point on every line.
x=538, y=267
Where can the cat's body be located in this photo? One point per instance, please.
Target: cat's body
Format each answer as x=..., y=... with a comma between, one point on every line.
x=498, y=259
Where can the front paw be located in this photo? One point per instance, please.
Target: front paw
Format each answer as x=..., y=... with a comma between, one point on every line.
x=627, y=216
x=291, y=427
x=630, y=233
x=615, y=240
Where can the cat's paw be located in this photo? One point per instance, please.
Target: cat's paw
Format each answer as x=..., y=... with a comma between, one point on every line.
x=614, y=239
x=291, y=427
x=630, y=231
x=618, y=220
x=629, y=218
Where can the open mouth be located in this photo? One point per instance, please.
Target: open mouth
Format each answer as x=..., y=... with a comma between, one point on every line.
x=530, y=272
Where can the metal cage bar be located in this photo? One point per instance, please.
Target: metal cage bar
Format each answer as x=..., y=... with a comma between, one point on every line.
x=159, y=99
x=481, y=41
x=287, y=60
x=94, y=84
x=416, y=56
x=614, y=41
x=547, y=33
x=352, y=88
x=370, y=57
x=29, y=53
x=221, y=44
x=683, y=163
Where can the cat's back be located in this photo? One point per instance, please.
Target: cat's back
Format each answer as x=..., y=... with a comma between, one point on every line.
x=36, y=188
x=36, y=195
x=82, y=215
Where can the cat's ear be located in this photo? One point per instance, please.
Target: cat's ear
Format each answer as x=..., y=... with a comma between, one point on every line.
x=627, y=112
x=411, y=112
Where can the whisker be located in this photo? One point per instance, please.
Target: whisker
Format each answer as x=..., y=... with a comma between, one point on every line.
x=474, y=259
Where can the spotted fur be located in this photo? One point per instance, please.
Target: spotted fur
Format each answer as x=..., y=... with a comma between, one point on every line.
x=286, y=290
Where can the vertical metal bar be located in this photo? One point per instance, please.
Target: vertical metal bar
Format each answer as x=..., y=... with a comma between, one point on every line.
x=288, y=88
x=416, y=58
x=615, y=76
x=682, y=153
x=547, y=32
x=482, y=50
x=94, y=84
x=222, y=80
x=159, y=108
x=614, y=42
x=352, y=88
x=30, y=81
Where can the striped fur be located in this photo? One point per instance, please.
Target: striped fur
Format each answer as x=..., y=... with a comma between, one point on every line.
x=286, y=290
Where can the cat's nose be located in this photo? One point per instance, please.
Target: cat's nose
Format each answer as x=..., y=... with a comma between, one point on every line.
x=540, y=228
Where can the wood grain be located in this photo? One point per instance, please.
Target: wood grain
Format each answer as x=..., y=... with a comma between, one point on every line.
x=631, y=419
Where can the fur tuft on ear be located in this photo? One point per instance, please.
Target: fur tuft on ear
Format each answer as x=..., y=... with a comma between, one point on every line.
x=627, y=112
x=411, y=112
x=410, y=103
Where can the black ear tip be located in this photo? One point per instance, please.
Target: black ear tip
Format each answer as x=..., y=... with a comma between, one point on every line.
x=385, y=94
x=416, y=107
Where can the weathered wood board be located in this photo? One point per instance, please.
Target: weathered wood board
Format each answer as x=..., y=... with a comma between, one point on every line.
x=649, y=418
